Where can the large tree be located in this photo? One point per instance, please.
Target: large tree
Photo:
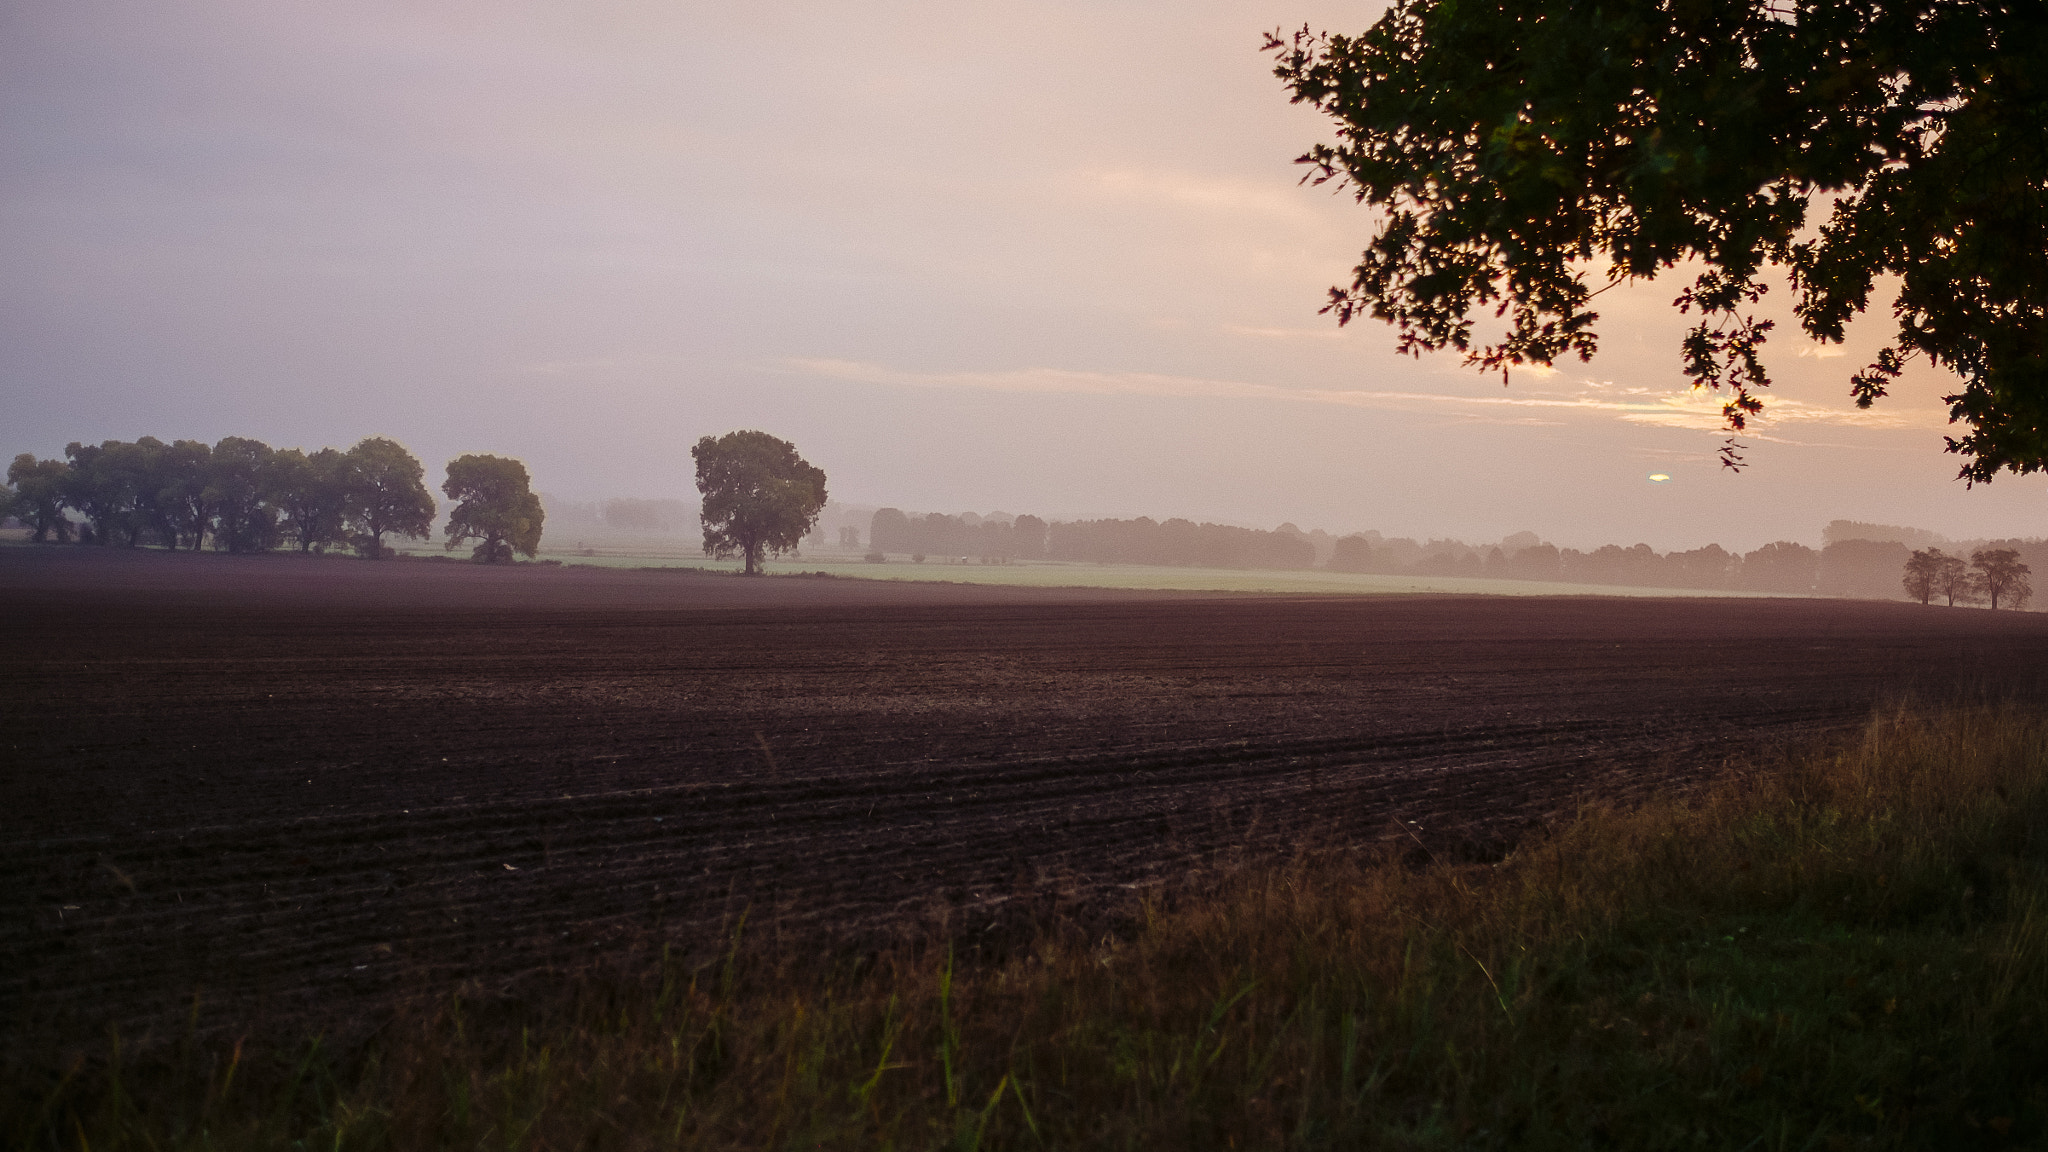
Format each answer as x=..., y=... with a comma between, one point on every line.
x=1953, y=581
x=760, y=497
x=238, y=490
x=2001, y=577
x=1922, y=573
x=113, y=484
x=183, y=507
x=387, y=493
x=311, y=492
x=495, y=506
x=1523, y=155
x=39, y=495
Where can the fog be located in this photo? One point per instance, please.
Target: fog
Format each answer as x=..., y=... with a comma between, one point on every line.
x=1045, y=257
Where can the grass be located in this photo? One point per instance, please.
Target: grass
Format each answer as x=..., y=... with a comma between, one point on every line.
x=1069, y=574
x=1141, y=577
x=1844, y=948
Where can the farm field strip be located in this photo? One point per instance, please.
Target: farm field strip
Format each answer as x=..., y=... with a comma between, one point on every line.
x=298, y=808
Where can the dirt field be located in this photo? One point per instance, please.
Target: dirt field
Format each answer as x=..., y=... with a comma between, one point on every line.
x=302, y=787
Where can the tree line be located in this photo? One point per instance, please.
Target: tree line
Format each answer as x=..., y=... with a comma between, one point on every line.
x=1848, y=565
x=1108, y=541
x=241, y=495
x=1994, y=575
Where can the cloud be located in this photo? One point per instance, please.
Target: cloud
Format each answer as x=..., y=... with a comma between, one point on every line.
x=1696, y=409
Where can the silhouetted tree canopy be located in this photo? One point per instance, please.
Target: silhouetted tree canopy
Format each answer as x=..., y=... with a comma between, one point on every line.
x=311, y=494
x=1922, y=573
x=760, y=497
x=495, y=506
x=937, y=534
x=387, y=492
x=2000, y=577
x=237, y=486
x=1520, y=154
x=182, y=507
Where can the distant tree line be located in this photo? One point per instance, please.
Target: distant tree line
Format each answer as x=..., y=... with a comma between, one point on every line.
x=241, y=495
x=1177, y=541
x=1139, y=541
x=1848, y=565
x=936, y=534
x=1994, y=576
x=1781, y=566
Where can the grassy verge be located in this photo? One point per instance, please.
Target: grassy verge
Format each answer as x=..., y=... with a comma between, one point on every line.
x=1846, y=949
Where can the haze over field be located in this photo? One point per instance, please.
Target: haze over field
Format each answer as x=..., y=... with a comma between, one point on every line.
x=1048, y=257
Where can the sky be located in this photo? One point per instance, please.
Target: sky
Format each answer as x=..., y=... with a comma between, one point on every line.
x=1035, y=257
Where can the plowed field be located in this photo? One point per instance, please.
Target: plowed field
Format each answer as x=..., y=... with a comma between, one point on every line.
x=299, y=787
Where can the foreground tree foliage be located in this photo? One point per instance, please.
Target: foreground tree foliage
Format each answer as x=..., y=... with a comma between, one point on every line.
x=494, y=507
x=1517, y=152
x=760, y=497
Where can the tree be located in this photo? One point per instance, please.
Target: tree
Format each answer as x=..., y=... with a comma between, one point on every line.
x=1518, y=150
x=39, y=495
x=1952, y=580
x=1028, y=534
x=1922, y=569
x=112, y=483
x=312, y=494
x=238, y=490
x=2001, y=576
x=1781, y=566
x=182, y=506
x=760, y=497
x=1354, y=554
x=387, y=492
x=889, y=531
x=493, y=506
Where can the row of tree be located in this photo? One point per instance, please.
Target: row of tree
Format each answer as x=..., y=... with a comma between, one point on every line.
x=1178, y=541
x=1780, y=566
x=937, y=534
x=1847, y=566
x=1993, y=575
x=1139, y=541
x=241, y=495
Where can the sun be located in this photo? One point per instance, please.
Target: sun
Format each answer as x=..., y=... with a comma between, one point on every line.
x=1659, y=477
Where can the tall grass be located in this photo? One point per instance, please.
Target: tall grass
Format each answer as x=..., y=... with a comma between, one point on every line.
x=1845, y=948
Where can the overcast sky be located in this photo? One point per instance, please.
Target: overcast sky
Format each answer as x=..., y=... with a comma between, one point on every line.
x=1036, y=257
